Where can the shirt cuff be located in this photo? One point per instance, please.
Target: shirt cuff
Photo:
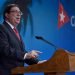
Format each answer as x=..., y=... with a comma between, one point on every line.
x=25, y=55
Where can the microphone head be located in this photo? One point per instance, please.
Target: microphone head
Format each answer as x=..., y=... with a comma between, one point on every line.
x=38, y=37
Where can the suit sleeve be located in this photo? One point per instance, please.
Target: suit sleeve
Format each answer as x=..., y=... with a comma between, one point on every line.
x=31, y=61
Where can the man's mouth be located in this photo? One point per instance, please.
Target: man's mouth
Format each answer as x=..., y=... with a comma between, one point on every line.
x=17, y=17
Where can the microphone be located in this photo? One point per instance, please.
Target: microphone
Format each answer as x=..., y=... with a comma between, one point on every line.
x=38, y=37
x=41, y=38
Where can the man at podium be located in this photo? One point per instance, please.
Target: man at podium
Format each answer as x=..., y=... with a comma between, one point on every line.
x=12, y=51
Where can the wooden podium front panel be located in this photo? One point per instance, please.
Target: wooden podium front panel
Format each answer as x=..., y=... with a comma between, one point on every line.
x=72, y=62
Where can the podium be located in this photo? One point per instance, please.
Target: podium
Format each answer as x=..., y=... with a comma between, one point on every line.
x=62, y=61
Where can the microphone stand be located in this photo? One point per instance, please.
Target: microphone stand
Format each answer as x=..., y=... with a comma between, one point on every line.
x=41, y=38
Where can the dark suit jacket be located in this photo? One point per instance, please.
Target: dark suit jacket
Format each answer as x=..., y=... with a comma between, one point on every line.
x=11, y=50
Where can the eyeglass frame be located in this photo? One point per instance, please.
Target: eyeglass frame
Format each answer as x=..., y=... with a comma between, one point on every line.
x=15, y=11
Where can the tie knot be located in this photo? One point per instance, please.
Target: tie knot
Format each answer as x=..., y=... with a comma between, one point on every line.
x=15, y=30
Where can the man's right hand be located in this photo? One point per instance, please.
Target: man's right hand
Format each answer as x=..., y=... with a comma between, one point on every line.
x=32, y=54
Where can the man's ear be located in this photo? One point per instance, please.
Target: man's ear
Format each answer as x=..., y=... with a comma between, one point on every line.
x=6, y=15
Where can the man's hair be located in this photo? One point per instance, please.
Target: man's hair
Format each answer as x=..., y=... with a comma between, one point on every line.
x=8, y=8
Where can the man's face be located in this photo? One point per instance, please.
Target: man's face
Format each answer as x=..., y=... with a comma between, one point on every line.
x=14, y=16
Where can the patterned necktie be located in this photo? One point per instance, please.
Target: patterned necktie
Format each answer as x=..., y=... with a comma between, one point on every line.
x=16, y=32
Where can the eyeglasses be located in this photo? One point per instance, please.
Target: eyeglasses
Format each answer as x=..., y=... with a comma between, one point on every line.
x=15, y=11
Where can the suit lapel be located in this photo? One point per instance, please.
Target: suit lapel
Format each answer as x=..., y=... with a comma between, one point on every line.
x=11, y=30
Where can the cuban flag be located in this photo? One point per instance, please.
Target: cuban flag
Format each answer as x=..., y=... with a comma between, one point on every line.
x=62, y=16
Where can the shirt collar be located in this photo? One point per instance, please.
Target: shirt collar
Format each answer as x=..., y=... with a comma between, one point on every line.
x=10, y=25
